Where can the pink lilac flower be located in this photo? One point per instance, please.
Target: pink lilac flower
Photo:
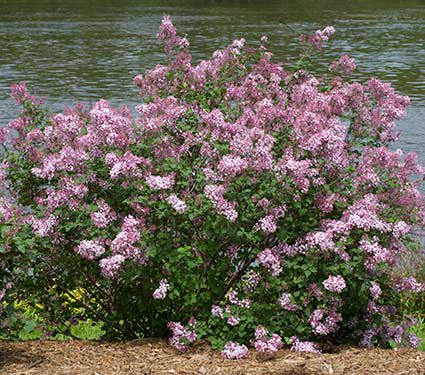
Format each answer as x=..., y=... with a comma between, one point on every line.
x=179, y=205
x=138, y=80
x=20, y=94
x=260, y=332
x=375, y=290
x=8, y=210
x=181, y=335
x=217, y=311
x=264, y=344
x=409, y=284
x=103, y=216
x=168, y=34
x=231, y=165
x=3, y=135
x=68, y=194
x=318, y=38
x=124, y=242
x=89, y=249
x=43, y=227
x=377, y=253
x=324, y=240
x=304, y=346
x=233, y=298
x=111, y=266
x=301, y=171
x=267, y=224
x=271, y=345
x=285, y=300
x=4, y=166
x=159, y=182
x=184, y=43
x=367, y=338
x=316, y=322
x=393, y=332
x=413, y=340
x=69, y=124
x=334, y=284
x=124, y=166
x=68, y=159
x=237, y=45
x=167, y=29
x=233, y=320
x=233, y=350
x=326, y=202
x=161, y=291
x=271, y=261
x=345, y=65
x=48, y=168
x=314, y=290
x=253, y=279
x=108, y=126
x=401, y=228
x=324, y=325
x=215, y=194
x=363, y=214
x=263, y=203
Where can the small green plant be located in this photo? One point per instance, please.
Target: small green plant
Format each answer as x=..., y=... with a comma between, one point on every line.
x=87, y=330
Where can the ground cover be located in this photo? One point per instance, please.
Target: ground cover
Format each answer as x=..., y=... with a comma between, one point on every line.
x=156, y=357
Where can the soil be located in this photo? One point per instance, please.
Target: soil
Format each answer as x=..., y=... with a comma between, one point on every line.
x=156, y=357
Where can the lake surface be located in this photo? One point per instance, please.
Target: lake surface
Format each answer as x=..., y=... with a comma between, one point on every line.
x=73, y=50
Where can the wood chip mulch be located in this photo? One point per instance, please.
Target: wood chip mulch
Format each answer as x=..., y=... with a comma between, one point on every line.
x=156, y=357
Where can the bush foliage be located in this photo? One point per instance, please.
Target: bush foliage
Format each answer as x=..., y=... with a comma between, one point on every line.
x=248, y=203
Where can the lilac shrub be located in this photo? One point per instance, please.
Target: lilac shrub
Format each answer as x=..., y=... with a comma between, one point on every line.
x=247, y=203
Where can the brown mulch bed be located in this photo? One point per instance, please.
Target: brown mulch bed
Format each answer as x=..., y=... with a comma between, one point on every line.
x=156, y=357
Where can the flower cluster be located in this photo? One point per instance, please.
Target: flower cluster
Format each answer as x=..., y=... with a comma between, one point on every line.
x=325, y=326
x=43, y=227
x=304, y=346
x=319, y=37
x=124, y=243
x=215, y=194
x=89, y=249
x=409, y=284
x=160, y=183
x=233, y=350
x=345, y=65
x=103, y=216
x=110, y=266
x=286, y=302
x=271, y=261
x=161, y=291
x=334, y=284
x=264, y=344
x=217, y=311
x=375, y=290
x=179, y=205
x=181, y=335
x=233, y=298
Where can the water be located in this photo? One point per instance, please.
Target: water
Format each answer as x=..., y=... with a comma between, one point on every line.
x=71, y=51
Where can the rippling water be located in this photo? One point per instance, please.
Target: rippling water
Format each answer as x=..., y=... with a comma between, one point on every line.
x=71, y=51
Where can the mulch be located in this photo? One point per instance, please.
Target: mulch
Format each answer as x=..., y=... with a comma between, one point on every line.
x=156, y=357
